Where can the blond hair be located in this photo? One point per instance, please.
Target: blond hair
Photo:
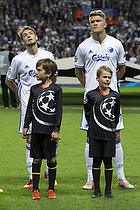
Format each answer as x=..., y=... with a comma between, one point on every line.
x=22, y=29
x=103, y=68
x=97, y=12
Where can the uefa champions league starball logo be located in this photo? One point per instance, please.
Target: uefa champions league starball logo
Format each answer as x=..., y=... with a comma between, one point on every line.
x=107, y=107
x=46, y=102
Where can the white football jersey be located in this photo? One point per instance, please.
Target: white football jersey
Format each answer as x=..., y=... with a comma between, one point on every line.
x=91, y=55
x=23, y=67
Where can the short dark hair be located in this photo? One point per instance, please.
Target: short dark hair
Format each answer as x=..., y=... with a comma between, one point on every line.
x=48, y=65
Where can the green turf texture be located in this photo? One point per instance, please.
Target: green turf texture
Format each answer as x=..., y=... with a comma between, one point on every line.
x=123, y=90
x=130, y=96
x=71, y=169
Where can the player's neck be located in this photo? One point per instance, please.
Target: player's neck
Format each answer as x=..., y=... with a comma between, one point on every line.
x=32, y=49
x=99, y=37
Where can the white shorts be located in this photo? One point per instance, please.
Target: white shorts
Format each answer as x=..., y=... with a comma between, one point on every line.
x=23, y=97
x=21, y=125
x=84, y=124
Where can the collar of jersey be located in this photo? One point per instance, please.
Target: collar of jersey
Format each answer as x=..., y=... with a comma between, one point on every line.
x=104, y=94
x=44, y=86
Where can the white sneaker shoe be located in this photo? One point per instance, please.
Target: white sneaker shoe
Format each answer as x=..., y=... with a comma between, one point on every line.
x=124, y=183
x=89, y=185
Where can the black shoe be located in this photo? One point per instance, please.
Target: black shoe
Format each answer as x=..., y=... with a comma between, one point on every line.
x=96, y=194
x=108, y=194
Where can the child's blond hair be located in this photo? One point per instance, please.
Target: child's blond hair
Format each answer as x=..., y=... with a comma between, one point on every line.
x=103, y=68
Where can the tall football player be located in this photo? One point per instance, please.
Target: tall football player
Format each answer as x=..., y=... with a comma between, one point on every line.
x=23, y=68
x=101, y=49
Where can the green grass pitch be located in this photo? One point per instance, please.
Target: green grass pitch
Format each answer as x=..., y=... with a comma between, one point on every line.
x=71, y=169
x=123, y=90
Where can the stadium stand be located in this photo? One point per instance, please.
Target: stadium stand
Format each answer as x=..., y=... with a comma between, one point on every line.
x=60, y=31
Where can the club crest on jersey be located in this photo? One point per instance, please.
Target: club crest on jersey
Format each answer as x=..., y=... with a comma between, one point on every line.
x=97, y=58
x=32, y=73
x=110, y=50
x=46, y=103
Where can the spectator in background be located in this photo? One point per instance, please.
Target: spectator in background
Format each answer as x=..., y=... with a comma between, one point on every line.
x=110, y=20
x=133, y=59
x=85, y=20
x=5, y=59
x=78, y=14
x=19, y=13
x=138, y=59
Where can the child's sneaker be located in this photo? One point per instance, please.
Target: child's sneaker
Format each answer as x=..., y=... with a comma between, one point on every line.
x=96, y=194
x=108, y=194
x=35, y=195
x=51, y=194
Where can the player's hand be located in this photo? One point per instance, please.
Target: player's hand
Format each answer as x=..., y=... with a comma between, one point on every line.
x=24, y=133
x=55, y=137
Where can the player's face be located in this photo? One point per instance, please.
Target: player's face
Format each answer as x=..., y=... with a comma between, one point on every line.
x=97, y=24
x=29, y=38
x=41, y=74
x=104, y=80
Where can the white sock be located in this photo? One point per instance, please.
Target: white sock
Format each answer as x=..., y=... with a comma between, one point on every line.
x=89, y=162
x=29, y=161
x=47, y=172
x=118, y=161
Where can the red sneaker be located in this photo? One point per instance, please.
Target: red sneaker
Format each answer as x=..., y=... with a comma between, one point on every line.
x=35, y=195
x=29, y=185
x=51, y=194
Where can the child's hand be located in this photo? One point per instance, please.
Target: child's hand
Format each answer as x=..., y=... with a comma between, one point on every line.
x=24, y=133
x=55, y=137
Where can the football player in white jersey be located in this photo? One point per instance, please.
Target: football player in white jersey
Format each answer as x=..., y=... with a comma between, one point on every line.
x=23, y=67
x=101, y=49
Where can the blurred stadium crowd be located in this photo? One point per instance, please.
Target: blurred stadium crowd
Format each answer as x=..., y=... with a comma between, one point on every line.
x=61, y=26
